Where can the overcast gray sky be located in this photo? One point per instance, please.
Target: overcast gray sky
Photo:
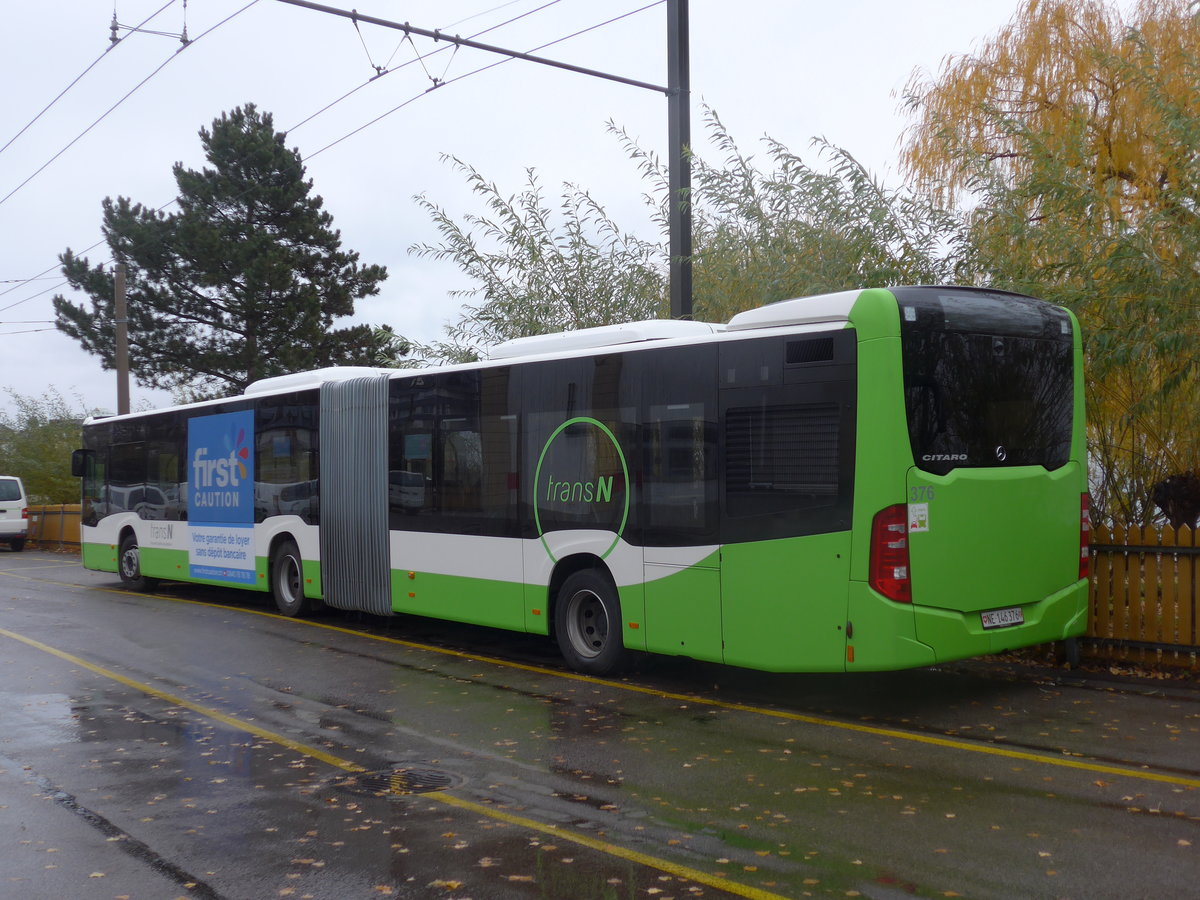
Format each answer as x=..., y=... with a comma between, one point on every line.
x=790, y=69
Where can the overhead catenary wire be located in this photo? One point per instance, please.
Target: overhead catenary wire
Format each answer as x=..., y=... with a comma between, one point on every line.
x=477, y=71
x=127, y=95
x=437, y=83
x=370, y=80
x=80, y=76
x=78, y=137
x=27, y=331
x=486, y=12
x=17, y=283
x=490, y=48
x=182, y=35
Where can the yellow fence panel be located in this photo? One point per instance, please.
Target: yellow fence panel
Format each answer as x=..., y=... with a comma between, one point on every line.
x=1143, y=595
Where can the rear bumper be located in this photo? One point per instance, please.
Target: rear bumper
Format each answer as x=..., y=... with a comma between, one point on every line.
x=888, y=635
x=956, y=635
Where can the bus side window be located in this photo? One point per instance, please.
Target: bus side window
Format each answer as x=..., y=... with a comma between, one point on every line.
x=285, y=458
x=95, y=474
x=127, y=477
x=679, y=445
x=411, y=408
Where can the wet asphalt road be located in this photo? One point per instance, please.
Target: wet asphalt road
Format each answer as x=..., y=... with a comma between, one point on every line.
x=192, y=744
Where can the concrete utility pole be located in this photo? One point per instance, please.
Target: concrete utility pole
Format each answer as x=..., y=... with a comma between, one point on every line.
x=122, y=322
x=679, y=171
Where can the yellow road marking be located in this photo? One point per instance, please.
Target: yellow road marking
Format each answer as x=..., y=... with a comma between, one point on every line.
x=729, y=887
x=206, y=711
x=698, y=700
x=996, y=750
x=614, y=850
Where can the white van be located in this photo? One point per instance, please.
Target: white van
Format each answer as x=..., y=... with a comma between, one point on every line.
x=14, y=512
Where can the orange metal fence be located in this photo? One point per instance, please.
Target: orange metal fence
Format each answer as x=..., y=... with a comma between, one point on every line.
x=55, y=526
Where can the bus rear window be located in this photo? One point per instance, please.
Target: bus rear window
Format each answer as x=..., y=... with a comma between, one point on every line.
x=988, y=379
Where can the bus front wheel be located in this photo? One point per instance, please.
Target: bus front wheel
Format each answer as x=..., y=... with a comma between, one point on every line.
x=587, y=623
x=287, y=579
x=129, y=566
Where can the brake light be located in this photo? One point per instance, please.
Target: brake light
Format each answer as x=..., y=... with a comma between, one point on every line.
x=25, y=513
x=889, y=554
x=1085, y=535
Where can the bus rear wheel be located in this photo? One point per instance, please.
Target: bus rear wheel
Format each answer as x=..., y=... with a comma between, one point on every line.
x=287, y=579
x=587, y=623
x=129, y=566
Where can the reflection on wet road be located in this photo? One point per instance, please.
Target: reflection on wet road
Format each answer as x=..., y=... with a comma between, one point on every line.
x=163, y=746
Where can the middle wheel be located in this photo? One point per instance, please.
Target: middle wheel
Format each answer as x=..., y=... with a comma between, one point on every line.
x=587, y=623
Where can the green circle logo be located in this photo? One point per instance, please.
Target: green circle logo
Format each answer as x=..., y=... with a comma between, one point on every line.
x=577, y=493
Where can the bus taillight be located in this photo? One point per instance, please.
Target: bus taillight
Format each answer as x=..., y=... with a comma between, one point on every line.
x=889, y=554
x=1085, y=535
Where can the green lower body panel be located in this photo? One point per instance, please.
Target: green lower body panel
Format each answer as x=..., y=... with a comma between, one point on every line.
x=783, y=603
x=683, y=611
x=883, y=634
x=172, y=565
x=459, y=599
x=101, y=557
x=633, y=605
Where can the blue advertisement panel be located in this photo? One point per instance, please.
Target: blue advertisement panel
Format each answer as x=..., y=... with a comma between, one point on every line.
x=220, y=499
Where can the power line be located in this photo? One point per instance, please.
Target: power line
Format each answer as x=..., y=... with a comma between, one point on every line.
x=17, y=283
x=128, y=94
x=488, y=12
x=25, y=331
x=355, y=16
x=501, y=62
x=79, y=77
x=438, y=83
x=373, y=78
x=47, y=290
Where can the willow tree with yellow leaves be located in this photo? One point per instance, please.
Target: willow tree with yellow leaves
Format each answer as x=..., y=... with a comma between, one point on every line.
x=1071, y=135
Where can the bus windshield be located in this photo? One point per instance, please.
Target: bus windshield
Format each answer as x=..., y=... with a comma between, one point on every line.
x=987, y=379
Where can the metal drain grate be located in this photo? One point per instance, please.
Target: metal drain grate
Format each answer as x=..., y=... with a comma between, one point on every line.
x=397, y=782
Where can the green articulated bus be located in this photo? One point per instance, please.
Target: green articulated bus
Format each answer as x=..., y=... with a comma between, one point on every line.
x=866, y=480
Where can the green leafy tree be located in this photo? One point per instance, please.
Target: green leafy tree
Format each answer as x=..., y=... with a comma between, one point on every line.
x=36, y=441
x=1071, y=135
x=245, y=281
x=793, y=230
x=535, y=269
x=758, y=236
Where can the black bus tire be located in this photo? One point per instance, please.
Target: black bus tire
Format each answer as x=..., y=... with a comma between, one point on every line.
x=287, y=579
x=587, y=623
x=129, y=566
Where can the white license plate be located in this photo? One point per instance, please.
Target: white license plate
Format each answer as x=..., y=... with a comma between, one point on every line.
x=1003, y=618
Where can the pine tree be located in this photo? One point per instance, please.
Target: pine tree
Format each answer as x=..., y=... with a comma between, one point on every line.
x=245, y=281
